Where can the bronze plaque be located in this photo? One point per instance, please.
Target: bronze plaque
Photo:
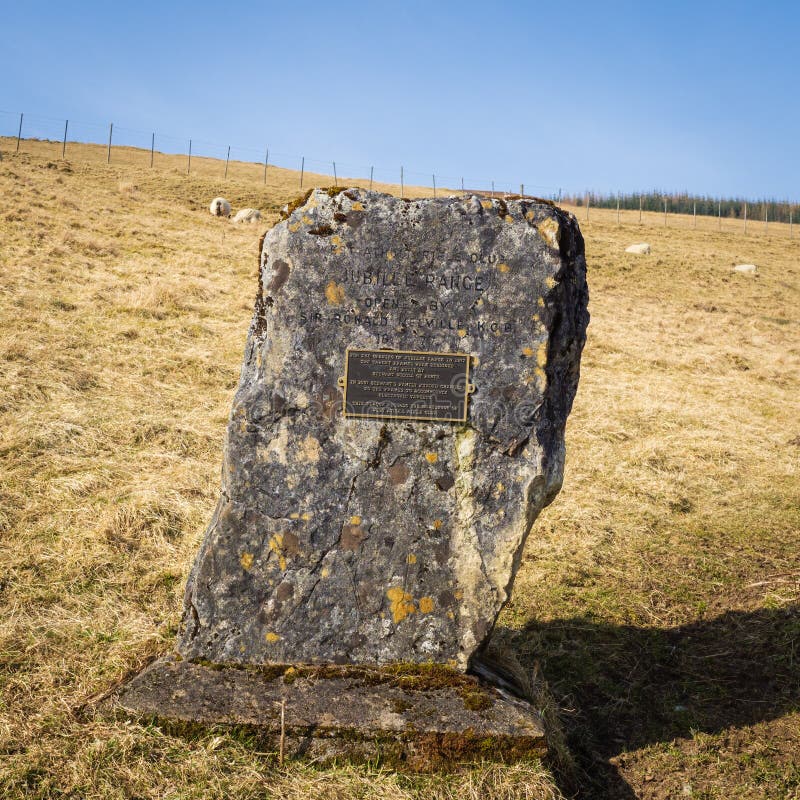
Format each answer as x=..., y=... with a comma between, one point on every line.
x=405, y=384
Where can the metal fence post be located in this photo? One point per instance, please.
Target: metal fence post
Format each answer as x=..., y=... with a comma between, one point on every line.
x=694, y=213
x=302, y=169
x=434, y=186
x=640, y=209
x=371, y=170
x=617, y=209
x=19, y=131
x=110, y=134
x=335, y=177
x=152, y=147
x=227, y=159
x=745, y=219
x=665, y=212
x=266, y=163
x=189, y=168
x=402, y=188
x=64, y=145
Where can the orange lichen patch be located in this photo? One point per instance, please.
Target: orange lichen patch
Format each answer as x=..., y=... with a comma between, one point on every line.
x=502, y=267
x=431, y=458
x=402, y=604
x=246, y=560
x=529, y=216
x=437, y=524
x=450, y=615
x=462, y=332
x=276, y=546
x=336, y=241
x=325, y=572
x=294, y=227
x=486, y=203
x=541, y=354
x=411, y=558
x=425, y=605
x=527, y=351
x=307, y=220
x=355, y=520
x=272, y=637
x=458, y=594
x=334, y=294
x=357, y=206
x=550, y=230
x=508, y=218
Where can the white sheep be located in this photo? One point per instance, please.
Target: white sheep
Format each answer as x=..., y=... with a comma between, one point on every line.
x=220, y=207
x=247, y=215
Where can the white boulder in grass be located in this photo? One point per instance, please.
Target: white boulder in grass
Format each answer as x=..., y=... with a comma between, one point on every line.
x=220, y=207
x=748, y=269
x=247, y=215
x=642, y=249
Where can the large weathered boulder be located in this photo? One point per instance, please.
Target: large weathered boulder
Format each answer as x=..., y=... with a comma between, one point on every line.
x=372, y=541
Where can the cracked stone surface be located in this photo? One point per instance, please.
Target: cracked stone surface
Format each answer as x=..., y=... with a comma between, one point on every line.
x=369, y=541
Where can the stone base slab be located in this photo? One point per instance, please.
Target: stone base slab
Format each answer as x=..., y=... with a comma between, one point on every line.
x=416, y=717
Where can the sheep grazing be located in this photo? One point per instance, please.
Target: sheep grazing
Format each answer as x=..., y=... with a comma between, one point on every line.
x=247, y=215
x=220, y=207
x=642, y=249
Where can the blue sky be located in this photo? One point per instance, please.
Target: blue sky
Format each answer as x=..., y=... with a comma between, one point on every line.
x=603, y=96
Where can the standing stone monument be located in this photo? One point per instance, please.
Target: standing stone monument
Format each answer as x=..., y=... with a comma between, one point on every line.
x=398, y=426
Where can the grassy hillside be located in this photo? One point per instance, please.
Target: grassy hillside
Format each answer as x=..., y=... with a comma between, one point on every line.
x=659, y=593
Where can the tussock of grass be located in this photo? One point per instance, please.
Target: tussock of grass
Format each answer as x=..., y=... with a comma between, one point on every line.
x=665, y=576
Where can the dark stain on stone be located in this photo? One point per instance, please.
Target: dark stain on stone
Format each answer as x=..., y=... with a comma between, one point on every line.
x=340, y=217
x=281, y=270
x=284, y=591
x=321, y=230
x=352, y=536
x=445, y=483
x=291, y=544
x=355, y=218
x=398, y=473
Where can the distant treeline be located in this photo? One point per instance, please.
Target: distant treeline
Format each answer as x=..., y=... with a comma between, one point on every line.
x=734, y=208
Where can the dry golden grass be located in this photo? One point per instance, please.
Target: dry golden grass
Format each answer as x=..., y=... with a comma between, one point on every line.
x=659, y=593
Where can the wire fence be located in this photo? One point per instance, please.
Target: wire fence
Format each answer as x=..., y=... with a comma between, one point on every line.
x=63, y=138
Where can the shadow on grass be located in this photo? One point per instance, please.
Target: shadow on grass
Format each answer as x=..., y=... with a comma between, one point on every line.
x=629, y=687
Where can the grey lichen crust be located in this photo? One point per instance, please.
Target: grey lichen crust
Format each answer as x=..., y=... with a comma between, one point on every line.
x=373, y=541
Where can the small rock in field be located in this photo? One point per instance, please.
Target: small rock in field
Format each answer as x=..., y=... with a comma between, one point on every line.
x=642, y=249
x=750, y=269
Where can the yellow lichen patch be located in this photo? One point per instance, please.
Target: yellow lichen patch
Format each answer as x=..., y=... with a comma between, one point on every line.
x=411, y=558
x=486, y=203
x=541, y=354
x=550, y=282
x=294, y=227
x=294, y=515
x=336, y=241
x=527, y=351
x=462, y=332
x=508, y=218
x=355, y=520
x=246, y=560
x=276, y=542
x=450, y=615
x=500, y=487
x=540, y=302
x=282, y=563
x=550, y=231
x=310, y=450
x=272, y=637
x=306, y=516
x=431, y=458
x=458, y=594
x=389, y=255
x=502, y=267
x=541, y=377
x=425, y=605
x=307, y=220
x=529, y=216
x=402, y=604
x=334, y=294
x=437, y=524
x=312, y=201
x=357, y=206
x=325, y=572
